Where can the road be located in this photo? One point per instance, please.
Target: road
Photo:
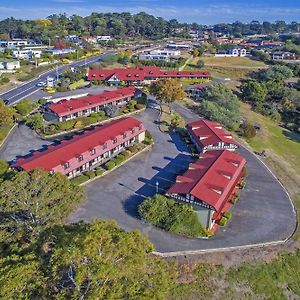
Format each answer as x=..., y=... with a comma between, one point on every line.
x=29, y=88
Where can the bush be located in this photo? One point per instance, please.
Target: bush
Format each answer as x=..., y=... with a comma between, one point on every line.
x=248, y=130
x=99, y=171
x=171, y=216
x=62, y=89
x=80, y=179
x=42, y=101
x=139, y=106
x=25, y=107
x=109, y=165
x=90, y=174
x=227, y=215
x=133, y=149
x=223, y=221
x=4, y=80
x=127, y=153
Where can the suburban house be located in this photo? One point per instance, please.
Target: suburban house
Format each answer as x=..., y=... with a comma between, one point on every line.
x=234, y=52
x=195, y=92
x=86, y=151
x=16, y=43
x=26, y=54
x=209, y=185
x=283, y=55
x=82, y=107
x=9, y=66
x=208, y=136
x=60, y=51
x=104, y=38
x=143, y=75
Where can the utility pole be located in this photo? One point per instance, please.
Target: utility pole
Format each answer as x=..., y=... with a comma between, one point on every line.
x=57, y=75
x=49, y=42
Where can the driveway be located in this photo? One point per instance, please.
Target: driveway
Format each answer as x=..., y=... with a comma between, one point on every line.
x=263, y=214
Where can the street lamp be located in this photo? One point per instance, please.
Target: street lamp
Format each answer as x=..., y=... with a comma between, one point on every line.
x=157, y=186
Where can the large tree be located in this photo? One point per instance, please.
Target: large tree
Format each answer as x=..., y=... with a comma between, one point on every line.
x=31, y=202
x=167, y=90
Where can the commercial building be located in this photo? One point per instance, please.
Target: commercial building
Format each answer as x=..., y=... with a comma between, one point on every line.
x=160, y=54
x=140, y=75
x=208, y=136
x=82, y=107
x=209, y=185
x=9, y=65
x=60, y=51
x=86, y=151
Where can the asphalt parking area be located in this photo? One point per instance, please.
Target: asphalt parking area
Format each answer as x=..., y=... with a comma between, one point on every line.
x=263, y=214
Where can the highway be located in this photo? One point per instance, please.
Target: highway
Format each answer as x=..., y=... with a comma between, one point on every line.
x=17, y=94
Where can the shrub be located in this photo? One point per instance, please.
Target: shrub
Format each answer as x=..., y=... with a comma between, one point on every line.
x=80, y=179
x=133, y=148
x=90, y=174
x=227, y=215
x=42, y=101
x=249, y=131
x=127, y=153
x=99, y=171
x=223, y=221
x=62, y=89
x=139, y=106
x=4, y=80
x=171, y=216
x=25, y=107
x=109, y=165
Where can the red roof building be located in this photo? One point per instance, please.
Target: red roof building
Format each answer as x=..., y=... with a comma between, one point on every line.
x=140, y=75
x=86, y=151
x=71, y=109
x=209, y=184
x=208, y=135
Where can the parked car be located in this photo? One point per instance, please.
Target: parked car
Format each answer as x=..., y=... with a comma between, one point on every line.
x=41, y=83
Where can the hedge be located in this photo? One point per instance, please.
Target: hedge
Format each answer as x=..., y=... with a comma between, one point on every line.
x=223, y=221
x=99, y=171
x=80, y=179
x=227, y=215
x=109, y=165
x=90, y=174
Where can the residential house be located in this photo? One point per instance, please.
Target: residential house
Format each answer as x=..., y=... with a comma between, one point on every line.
x=233, y=52
x=60, y=51
x=26, y=54
x=209, y=185
x=86, y=151
x=283, y=55
x=9, y=65
x=208, y=136
x=82, y=107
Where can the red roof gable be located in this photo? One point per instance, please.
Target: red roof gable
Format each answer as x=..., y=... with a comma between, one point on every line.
x=136, y=74
x=65, y=107
x=208, y=133
x=211, y=178
x=68, y=149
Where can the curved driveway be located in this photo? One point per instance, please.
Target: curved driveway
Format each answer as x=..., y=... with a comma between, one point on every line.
x=263, y=214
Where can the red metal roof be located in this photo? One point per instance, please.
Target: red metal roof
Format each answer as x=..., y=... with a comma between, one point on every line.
x=68, y=149
x=207, y=133
x=211, y=178
x=139, y=74
x=66, y=107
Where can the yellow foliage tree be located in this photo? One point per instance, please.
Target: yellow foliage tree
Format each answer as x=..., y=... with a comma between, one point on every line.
x=43, y=22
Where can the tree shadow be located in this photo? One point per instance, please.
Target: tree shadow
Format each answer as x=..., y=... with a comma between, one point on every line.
x=159, y=183
x=293, y=136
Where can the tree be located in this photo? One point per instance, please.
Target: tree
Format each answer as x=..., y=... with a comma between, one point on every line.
x=102, y=261
x=221, y=105
x=3, y=167
x=167, y=90
x=24, y=107
x=276, y=73
x=6, y=114
x=200, y=63
x=248, y=130
x=254, y=92
x=35, y=121
x=31, y=202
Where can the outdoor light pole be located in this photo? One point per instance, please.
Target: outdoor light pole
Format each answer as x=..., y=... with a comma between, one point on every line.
x=157, y=185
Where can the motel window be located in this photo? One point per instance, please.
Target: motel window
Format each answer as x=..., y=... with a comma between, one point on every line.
x=80, y=158
x=140, y=127
x=133, y=131
x=66, y=165
x=93, y=152
x=124, y=135
x=115, y=140
x=104, y=146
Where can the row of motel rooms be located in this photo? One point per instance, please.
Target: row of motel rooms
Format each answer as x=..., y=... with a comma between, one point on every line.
x=210, y=183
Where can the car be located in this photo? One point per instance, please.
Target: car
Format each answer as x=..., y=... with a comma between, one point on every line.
x=41, y=83
x=153, y=105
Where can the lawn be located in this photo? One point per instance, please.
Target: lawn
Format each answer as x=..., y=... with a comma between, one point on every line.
x=227, y=67
x=282, y=148
x=166, y=118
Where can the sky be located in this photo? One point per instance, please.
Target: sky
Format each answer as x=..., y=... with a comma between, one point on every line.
x=200, y=11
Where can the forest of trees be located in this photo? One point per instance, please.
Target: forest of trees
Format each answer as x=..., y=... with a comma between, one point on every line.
x=121, y=25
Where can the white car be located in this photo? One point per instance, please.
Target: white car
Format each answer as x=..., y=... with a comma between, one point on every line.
x=42, y=83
